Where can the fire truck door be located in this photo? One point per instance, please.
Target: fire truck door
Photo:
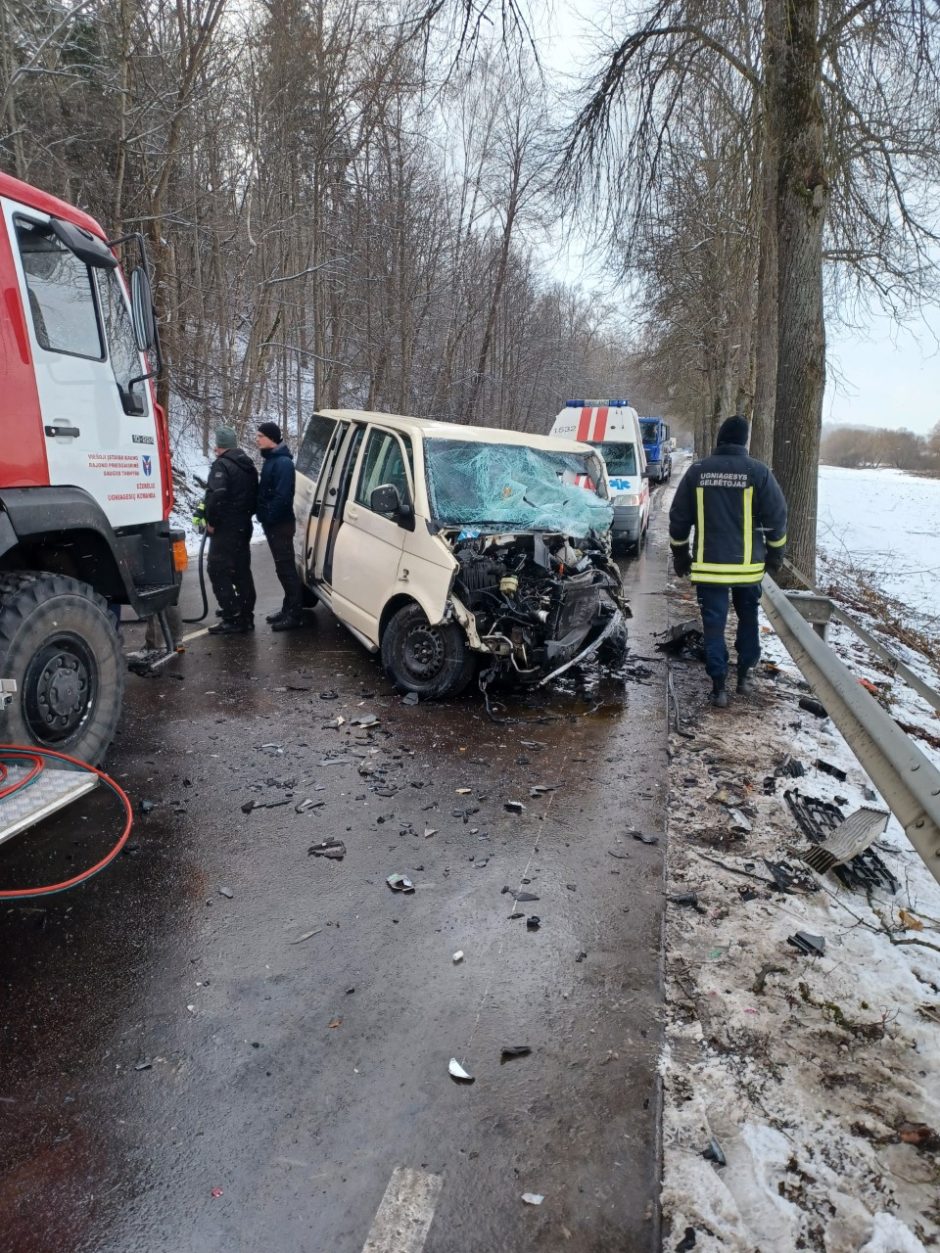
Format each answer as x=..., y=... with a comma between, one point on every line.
x=100, y=430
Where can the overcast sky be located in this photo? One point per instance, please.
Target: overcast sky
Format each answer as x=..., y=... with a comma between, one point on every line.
x=885, y=376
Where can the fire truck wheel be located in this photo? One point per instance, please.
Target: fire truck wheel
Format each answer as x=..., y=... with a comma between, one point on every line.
x=58, y=641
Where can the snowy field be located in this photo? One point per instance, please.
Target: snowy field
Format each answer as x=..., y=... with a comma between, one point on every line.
x=884, y=523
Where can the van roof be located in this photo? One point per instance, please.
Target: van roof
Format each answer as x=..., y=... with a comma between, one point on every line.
x=454, y=430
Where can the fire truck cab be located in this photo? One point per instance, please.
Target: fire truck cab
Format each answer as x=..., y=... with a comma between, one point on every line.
x=85, y=477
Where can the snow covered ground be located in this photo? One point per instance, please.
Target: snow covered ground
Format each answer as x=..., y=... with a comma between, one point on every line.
x=813, y=1079
x=885, y=524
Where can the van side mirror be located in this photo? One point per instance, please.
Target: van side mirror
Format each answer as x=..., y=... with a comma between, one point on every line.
x=386, y=501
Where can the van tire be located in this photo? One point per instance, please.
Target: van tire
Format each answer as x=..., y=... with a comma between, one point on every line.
x=432, y=661
x=60, y=645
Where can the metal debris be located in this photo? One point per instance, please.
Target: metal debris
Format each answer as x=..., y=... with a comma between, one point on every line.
x=335, y=850
x=458, y=1073
x=828, y=768
x=400, y=883
x=811, y=945
x=509, y=1051
x=533, y=923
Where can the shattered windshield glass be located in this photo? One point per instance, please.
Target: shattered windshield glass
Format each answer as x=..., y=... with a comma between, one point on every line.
x=620, y=458
x=511, y=487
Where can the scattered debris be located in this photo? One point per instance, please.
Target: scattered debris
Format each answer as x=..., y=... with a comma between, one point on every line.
x=533, y=1198
x=845, y=841
x=306, y=805
x=147, y=807
x=364, y=721
x=458, y=1073
x=644, y=839
x=509, y=1051
x=227, y=893
x=329, y=694
x=685, y=639
x=533, y=923
x=910, y=921
x=457, y=957
x=691, y=899
x=620, y=856
x=540, y=789
x=273, y=750
x=714, y=1154
x=792, y=767
x=217, y=1192
x=519, y=894
x=462, y=791
x=400, y=883
x=811, y=945
x=334, y=1023
x=307, y=935
x=739, y=824
x=757, y=987
x=411, y=698
x=514, y=807
x=334, y=849
x=144, y=1065
x=813, y=706
x=429, y=831
x=582, y=956
x=828, y=768
x=687, y=1243
x=918, y=1134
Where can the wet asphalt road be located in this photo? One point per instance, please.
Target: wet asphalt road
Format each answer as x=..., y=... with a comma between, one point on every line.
x=182, y=1071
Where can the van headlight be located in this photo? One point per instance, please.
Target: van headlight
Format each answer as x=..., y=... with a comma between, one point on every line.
x=629, y=498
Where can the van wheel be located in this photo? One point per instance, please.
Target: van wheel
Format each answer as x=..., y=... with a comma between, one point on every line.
x=430, y=660
x=58, y=642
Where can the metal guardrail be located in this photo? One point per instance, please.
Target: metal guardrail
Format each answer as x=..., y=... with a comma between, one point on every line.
x=908, y=781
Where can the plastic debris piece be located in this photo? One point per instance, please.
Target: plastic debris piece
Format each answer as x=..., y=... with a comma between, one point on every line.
x=828, y=768
x=714, y=1154
x=582, y=956
x=691, y=899
x=458, y=1073
x=687, y=1243
x=457, y=957
x=217, y=1192
x=509, y=1051
x=411, y=698
x=306, y=936
x=334, y=849
x=811, y=945
x=533, y=922
x=611, y=852
x=514, y=807
x=519, y=894
x=739, y=823
x=308, y=804
x=334, y=1023
x=147, y=807
x=916, y=1133
x=533, y=1198
x=813, y=706
x=145, y=1065
x=329, y=694
x=910, y=921
x=645, y=839
x=462, y=791
x=429, y=831
x=364, y=720
x=227, y=893
x=400, y=883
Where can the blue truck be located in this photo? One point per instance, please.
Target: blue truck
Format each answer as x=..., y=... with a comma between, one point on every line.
x=658, y=448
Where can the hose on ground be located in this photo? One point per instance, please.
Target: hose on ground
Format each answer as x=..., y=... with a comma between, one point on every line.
x=10, y=753
x=202, y=582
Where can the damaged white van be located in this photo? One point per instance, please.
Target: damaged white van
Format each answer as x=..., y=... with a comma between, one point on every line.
x=458, y=550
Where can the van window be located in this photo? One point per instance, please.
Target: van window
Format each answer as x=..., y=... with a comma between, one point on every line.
x=382, y=463
x=122, y=346
x=313, y=448
x=620, y=458
x=59, y=288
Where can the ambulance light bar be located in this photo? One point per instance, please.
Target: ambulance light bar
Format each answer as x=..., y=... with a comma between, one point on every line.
x=595, y=404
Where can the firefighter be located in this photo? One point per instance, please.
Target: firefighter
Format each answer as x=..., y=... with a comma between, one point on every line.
x=231, y=498
x=276, y=515
x=739, y=515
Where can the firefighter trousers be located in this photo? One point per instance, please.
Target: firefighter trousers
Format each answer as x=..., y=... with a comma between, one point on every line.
x=229, y=567
x=713, y=602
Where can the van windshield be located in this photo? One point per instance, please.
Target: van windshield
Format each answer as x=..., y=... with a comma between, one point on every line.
x=620, y=458
x=512, y=487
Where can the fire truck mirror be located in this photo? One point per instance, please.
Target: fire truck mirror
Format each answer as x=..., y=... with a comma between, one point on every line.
x=87, y=247
x=145, y=329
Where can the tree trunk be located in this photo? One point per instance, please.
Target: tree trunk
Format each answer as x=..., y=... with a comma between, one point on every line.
x=796, y=121
x=765, y=395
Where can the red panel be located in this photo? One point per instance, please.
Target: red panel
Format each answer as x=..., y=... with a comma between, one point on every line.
x=600, y=424
x=22, y=441
x=584, y=424
x=41, y=200
x=166, y=465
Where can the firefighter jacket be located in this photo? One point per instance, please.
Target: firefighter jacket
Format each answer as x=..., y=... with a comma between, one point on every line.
x=231, y=490
x=736, y=508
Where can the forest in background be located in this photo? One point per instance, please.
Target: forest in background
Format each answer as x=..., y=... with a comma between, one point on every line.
x=855, y=447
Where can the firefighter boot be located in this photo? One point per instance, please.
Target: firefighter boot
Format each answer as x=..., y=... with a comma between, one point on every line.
x=719, y=695
x=745, y=682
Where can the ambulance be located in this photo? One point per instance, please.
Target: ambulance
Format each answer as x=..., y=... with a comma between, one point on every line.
x=613, y=427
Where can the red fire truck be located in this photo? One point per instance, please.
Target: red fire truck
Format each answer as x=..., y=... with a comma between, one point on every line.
x=85, y=478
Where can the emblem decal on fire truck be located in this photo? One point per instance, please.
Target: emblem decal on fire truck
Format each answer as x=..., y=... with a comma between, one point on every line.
x=146, y=464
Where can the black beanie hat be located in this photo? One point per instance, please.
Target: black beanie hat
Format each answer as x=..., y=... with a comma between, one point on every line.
x=272, y=430
x=732, y=431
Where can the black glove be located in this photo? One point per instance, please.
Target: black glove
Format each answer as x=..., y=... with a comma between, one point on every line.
x=774, y=560
x=682, y=561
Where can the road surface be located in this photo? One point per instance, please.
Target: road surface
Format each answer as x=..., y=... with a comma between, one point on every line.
x=186, y=1071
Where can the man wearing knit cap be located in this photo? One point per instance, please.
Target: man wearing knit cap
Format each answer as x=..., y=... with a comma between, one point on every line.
x=276, y=515
x=739, y=516
x=231, y=497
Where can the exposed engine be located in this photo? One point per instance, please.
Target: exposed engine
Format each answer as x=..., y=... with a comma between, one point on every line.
x=539, y=602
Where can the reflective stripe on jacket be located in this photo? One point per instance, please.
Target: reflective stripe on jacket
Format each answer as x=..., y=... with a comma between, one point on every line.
x=736, y=508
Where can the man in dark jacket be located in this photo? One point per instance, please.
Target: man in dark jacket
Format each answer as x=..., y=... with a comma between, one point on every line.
x=276, y=515
x=231, y=498
x=737, y=509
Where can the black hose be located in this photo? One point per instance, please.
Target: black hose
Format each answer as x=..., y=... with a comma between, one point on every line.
x=202, y=581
